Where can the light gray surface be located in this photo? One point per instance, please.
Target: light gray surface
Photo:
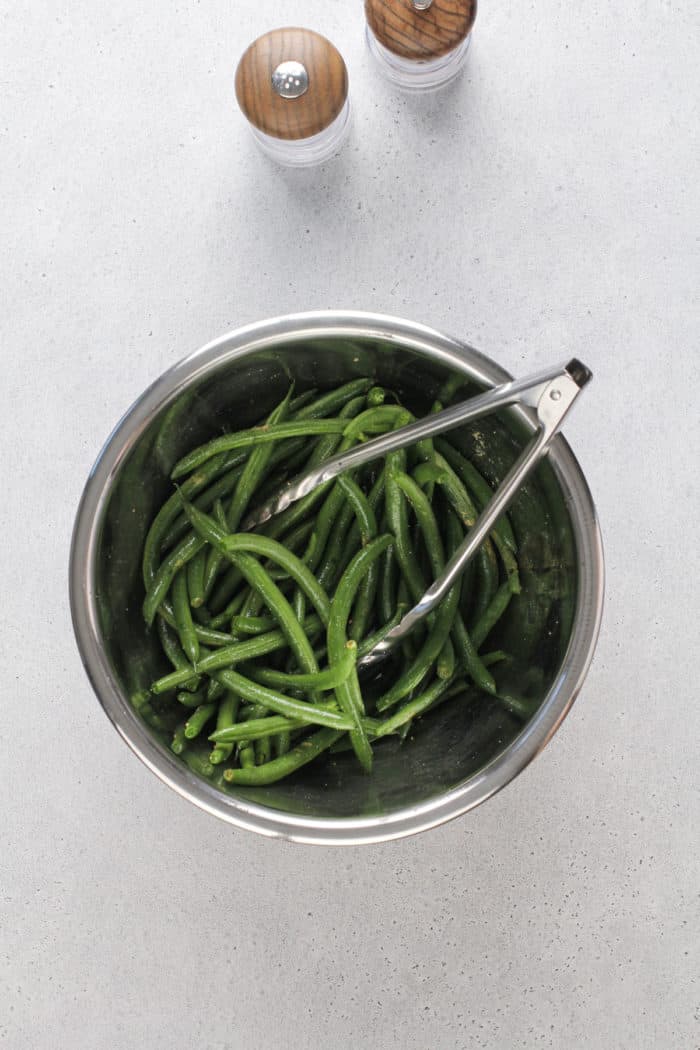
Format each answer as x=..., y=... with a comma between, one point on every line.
x=545, y=206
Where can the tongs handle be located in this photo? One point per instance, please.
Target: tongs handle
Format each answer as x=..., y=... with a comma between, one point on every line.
x=555, y=398
x=527, y=391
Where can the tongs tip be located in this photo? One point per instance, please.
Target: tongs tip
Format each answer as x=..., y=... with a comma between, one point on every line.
x=578, y=372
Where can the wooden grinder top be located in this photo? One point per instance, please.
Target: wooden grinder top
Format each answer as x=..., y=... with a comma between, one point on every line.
x=291, y=83
x=420, y=29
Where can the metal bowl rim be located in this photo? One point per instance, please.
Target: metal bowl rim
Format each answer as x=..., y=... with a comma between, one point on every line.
x=252, y=816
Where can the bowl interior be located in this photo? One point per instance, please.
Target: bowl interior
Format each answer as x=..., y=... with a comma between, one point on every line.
x=454, y=742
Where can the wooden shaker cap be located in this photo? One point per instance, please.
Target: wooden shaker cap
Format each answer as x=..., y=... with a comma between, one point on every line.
x=316, y=94
x=412, y=30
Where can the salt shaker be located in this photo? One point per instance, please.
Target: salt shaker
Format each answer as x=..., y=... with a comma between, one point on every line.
x=420, y=45
x=292, y=87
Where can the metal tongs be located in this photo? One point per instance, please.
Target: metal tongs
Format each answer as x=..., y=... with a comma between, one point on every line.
x=550, y=394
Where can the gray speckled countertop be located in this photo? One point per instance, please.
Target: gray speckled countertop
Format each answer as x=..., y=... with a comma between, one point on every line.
x=546, y=205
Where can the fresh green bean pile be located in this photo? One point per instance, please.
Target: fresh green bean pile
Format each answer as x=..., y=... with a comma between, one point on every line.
x=264, y=629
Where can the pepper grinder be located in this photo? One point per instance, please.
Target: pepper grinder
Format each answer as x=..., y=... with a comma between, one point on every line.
x=292, y=87
x=420, y=45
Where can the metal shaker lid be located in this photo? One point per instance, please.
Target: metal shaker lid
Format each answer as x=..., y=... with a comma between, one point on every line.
x=291, y=83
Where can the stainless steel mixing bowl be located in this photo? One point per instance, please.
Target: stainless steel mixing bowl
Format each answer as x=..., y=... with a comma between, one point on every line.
x=464, y=751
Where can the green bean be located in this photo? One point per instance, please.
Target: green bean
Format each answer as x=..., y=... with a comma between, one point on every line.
x=239, y=652
x=226, y=717
x=141, y=702
x=497, y=607
x=199, y=763
x=205, y=635
x=480, y=487
x=183, y=618
x=465, y=650
x=253, y=437
x=388, y=585
x=191, y=700
x=325, y=521
x=426, y=519
x=328, y=569
x=431, y=648
x=496, y=657
x=485, y=558
x=246, y=756
x=166, y=573
x=215, y=691
x=413, y=708
x=179, y=741
x=335, y=400
x=231, y=610
x=292, y=541
x=213, y=557
x=369, y=642
x=446, y=661
x=255, y=729
x=224, y=600
x=326, y=447
x=259, y=580
x=361, y=508
x=220, y=488
x=363, y=529
x=251, y=624
x=173, y=651
x=253, y=472
x=432, y=540
x=378, y=421
x=263, y=750
x=198, y=719
x=195, y=579
x=265, y=547
x=300, y=402
x=255, y=693
x=486, y=582
x=376, y=396
x=397, y=519
x=349, y=695
x=247, y=752
x=208, y=636
x=157, y=538
x=322, y=681
x=299, y=756
x=462, y=503
x=374, y=499
x=239, y=546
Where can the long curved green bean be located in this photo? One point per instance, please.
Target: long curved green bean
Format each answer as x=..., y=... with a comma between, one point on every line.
x=265, y=547
x=397, y=520
x=251, y=476
x=172, y=649
x=255, y=729
x=322, y=681
x=378, y=421
x=279, y=768
x=349, y=694
x=335, y=400
x=255, y=693
x=253, y=437
x=427, y=655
